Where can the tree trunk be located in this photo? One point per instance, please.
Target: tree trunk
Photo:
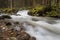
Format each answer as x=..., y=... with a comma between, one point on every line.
x=57, y=5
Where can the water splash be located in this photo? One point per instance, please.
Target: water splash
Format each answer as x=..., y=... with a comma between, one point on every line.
x=40, y=29
x=23, y=13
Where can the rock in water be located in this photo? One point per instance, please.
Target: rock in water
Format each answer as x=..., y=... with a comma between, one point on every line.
x=6, y=16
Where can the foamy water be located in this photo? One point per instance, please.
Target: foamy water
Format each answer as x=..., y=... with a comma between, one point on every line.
x=41, y=29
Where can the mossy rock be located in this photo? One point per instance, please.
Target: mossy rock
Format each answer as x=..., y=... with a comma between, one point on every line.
x=37, y=8
x=6, y=16
x=34, y=11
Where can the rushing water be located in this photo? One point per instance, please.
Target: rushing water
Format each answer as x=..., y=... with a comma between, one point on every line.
x=43, y=28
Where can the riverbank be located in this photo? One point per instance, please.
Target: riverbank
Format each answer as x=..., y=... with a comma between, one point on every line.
x=36, y=11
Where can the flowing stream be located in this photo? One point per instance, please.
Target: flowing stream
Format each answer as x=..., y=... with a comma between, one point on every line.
x=43, y=28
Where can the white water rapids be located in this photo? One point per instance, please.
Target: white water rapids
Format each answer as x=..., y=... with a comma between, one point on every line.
x=43, y=28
